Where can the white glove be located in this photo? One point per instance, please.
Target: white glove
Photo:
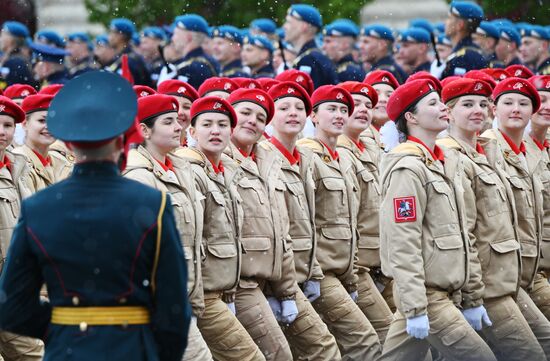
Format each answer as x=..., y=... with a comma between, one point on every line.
x=418, y=327
x=231, y=307
x=275, y=306
x=476, y=317
x=167, y=72
x=312, y=290
x=289, y=311
x=354, y=296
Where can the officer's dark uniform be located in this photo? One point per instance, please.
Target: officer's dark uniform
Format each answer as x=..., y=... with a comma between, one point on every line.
x=234, y=70
x=426, y=66
x=544, y=68
x=137, y=66
x=112, y=261
x=349, y=70
x=196, y=67
x=155, y=68
x=59, y=77
x=466, y=56
x=311, y=60
x=15, y=70
x=82, y=67
x=387, y=63
x=266, y=71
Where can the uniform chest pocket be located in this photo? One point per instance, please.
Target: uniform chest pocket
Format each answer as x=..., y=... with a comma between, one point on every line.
x=523, y=196
x=442, y=194
x=254, y=198
x=370, y=195
x=9, y=202
x=296, y=200
x=216, y=210
x=493, y=195
x=335, y=190
x=445, y=250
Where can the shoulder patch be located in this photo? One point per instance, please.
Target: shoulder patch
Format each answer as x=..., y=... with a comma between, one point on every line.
x=404, y=209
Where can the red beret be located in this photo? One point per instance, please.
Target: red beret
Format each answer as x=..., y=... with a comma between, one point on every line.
x=449, y=79
x=332, y=93
x=217, y=84
x=479, y=75
x=143, y=91
x=408, y=95
x=267, y=83
x=36, y=102
x=154, y=105
x=519, y=71
x=8, y=107
x=465, y=86
x=355, y=87
x=428, y=76
x=381, y=77
x=247, y=83
x=51, y=89
x=286, y=89
x=213, y=105
x=298, y=77
x=19, y=91
x=497, y=73
x=256, y=96
x=519, y=86
x=178, y=88
x=541, y=82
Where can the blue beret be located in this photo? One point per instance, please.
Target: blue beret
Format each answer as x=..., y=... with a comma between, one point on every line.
x=78, y=36
x=339, y=29
x=52, y=54
x=488, y=29
x=378, y=31
x=347, y=22
x=500, y=22
x=192, y=22
x=443, y=40
x=16, y=28
x=123, y=25
x=280, y=33
x=135, y=39
x=421, y=23
x=153, y=32
x=228, y=32
x=439, y=28
x=259, y=41
x=168, y=30
x=415, y=35
x=511, y=34
x=306, y=13
x=84, y=110
x=264, y=25
x=102, y=40
x=50, y=37
x=466, y=10
x=536, y=31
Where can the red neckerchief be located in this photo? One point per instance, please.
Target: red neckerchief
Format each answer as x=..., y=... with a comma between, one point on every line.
x=515, y=148
x=293, y=158
x=542, y=146
x=480, y=149
x=436, y=153
x=5, y=163
x=267, y=136
x=45, y=161
x=218, y=168
x=184, y=142
x=359, y=145
x=167, y=165
x=333, y=154
x=251, y=155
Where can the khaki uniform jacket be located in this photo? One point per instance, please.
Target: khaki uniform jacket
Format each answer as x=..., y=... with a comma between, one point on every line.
x=371, y=138
x=222, y=222
x=527, y=194
x=423, y=243
x=265, y=232
x=14, y=186
x=301, y=217
x=41, y=176
x=368, y=201
x=539, y=163
x=180, y=186
x=335, y=223
x=61, y=149
x=490, y=221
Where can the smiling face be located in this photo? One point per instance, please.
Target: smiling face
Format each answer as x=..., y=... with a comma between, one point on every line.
x=330, y=118
x=361, y=117
x=542, y=117
x=380, y=113
x=37, y=135
x=469, y=113
x=165, y=134
x=290, y=116
x=432, y=115
x=513, y=111
x=211, y=132
x=251, y=124
x=7, y=130
x=184, y=111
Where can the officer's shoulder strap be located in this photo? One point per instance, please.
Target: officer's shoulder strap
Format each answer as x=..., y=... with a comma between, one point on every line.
x=448, y=142
x=311, y=144
x=158, y=240
x=407, y=148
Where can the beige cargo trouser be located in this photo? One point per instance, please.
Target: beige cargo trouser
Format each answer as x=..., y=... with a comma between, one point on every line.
x=450, y=334
x=197, y=349
x=510, y=337
x=354, y=334
x=223, y=333
x=540, y=294
x=538, y=323
x=20, y=348
x=387, y=283
x=308, y=336
x=373, y=305
x=255, y=315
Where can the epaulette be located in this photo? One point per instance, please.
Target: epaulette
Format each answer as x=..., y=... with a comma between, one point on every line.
x=448, y=142
x=407, y=148
x=310, y=144
x=189, y=154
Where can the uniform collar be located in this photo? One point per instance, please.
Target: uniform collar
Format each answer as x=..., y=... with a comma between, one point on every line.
x=346, y=59
x=218, y=169
x=5, y=163
x=235, y=64
x=265, y=71
x=293, y=158
x=58, y=75
x=96, y=168
x=513, y=146
x=480, y=149
x=436, y=153
x=309, y=45
x=167, y=165
x=385, y=60
x=542, y=146
x=193, y=53
x=464, y=42
x=45, y=161
x=333, y=153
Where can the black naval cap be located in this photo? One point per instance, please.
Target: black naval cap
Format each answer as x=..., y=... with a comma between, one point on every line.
x=93, y=107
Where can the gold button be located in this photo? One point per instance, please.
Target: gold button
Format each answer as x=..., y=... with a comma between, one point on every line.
x=83, y=326
x=326, y=158
x=76, y=301
x=123, y=300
